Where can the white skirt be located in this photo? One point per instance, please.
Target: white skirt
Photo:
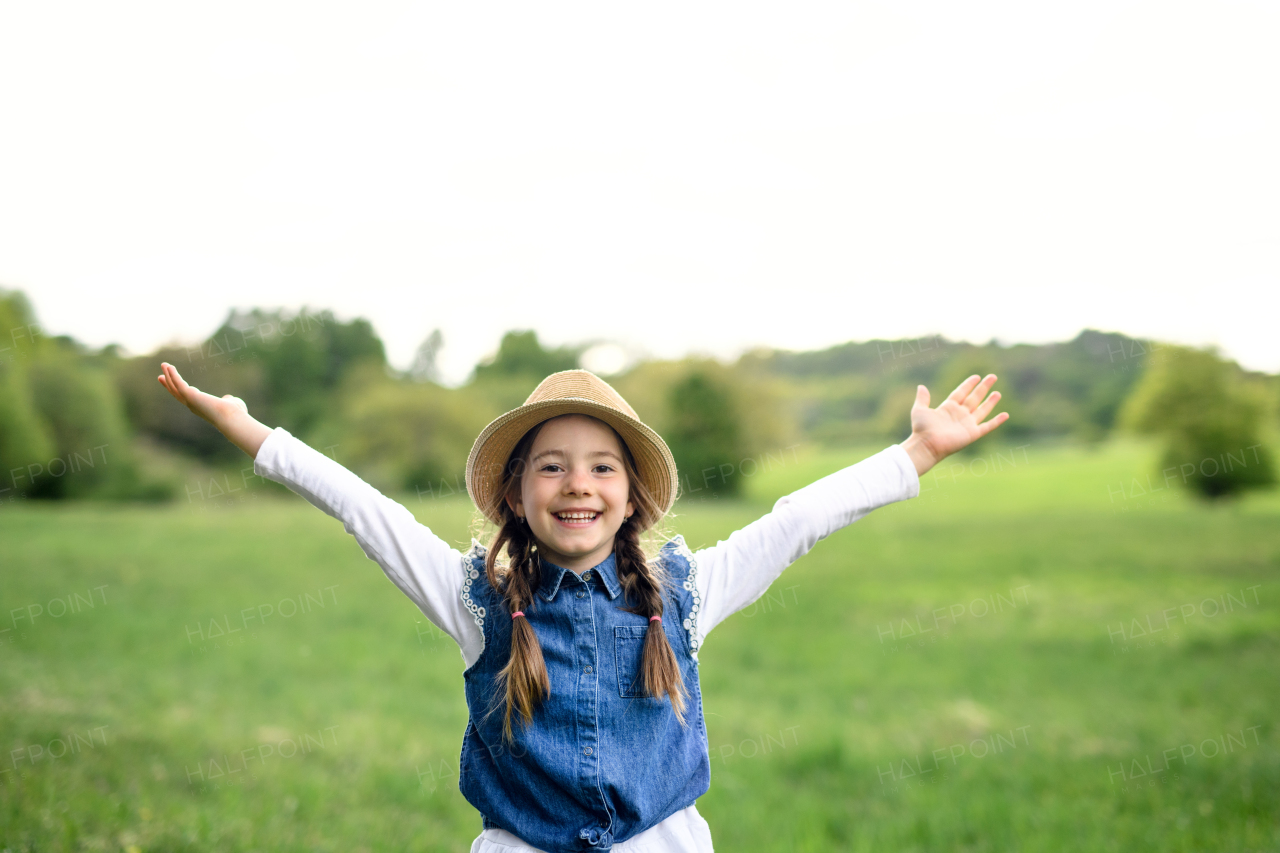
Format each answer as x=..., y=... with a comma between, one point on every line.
x=683, y=832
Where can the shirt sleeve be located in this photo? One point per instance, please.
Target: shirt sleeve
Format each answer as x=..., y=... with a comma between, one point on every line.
x=734, y=573
x=420, y=563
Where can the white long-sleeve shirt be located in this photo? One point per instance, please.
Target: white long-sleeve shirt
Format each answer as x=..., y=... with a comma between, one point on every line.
x=731, y=574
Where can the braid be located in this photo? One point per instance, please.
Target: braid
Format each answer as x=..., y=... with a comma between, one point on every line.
x=643, y=583
x=523, y=682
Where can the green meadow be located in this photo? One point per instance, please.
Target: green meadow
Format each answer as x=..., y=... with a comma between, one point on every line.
x=1044, y=651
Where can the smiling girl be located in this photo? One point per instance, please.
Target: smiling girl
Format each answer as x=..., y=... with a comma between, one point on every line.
x=586, y=727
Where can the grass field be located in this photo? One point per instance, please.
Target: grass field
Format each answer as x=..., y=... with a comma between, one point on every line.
x=1033, y=655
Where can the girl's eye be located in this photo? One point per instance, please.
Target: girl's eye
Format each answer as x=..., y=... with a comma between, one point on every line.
x=605, y=467
x=549, y=465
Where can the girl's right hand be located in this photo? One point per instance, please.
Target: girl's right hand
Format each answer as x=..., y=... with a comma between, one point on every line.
x=227, y=413
x=215, y=410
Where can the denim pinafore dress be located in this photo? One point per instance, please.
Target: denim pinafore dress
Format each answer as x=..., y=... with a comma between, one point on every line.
x=600, y=761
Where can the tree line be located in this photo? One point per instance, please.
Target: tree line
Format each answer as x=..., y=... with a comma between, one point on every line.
x=82, y=423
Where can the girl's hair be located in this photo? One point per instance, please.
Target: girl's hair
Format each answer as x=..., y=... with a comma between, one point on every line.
x=524, y=681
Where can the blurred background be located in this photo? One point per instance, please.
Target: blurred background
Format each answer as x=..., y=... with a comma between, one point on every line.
x=69, y=406
x=382, y=227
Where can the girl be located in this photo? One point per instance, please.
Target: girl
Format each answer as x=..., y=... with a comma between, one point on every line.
x=585, y=727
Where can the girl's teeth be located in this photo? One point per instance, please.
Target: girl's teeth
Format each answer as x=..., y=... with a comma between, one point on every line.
x=576, y=516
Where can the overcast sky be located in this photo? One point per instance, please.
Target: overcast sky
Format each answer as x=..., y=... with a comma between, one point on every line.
x=673, y=177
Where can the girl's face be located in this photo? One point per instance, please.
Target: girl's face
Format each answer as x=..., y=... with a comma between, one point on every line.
x=574, y=492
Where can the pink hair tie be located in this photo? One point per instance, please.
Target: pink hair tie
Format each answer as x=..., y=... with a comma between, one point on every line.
x=651, y=618
x=517, y=613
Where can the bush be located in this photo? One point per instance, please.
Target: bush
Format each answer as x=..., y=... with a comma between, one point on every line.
x=404, y=435
x=24, y=440
x=85, y=420
x=1210, y=419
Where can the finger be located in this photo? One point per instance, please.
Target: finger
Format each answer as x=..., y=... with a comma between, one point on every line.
x=985, y=409
x=922, y=397
x=168, y=386
x=167, y=379
x=983, y=429
x=963, y=389
x=178, y=382
x=181, y=390
x=980, y=391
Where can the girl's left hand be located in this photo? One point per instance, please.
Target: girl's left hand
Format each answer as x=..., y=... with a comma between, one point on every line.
x=956, y=423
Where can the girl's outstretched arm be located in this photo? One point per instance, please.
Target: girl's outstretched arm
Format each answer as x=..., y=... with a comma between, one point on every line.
x=422, y=565
x=736, y=572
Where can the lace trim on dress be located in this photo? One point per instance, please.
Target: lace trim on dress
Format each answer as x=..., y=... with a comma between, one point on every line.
x=690, y=583
x=470, y=574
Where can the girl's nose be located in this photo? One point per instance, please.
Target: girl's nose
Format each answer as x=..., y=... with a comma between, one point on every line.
x=578, y=481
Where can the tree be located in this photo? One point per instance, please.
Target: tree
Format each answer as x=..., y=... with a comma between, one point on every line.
x=705, y=435
x=63, y=430
x=424, y=367
x=25, y=439
x=86, y=420
x=293, y=360
x=1210, y=420
x=521, y=355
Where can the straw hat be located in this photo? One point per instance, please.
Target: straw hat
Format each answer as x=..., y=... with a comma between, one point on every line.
x=571, y=392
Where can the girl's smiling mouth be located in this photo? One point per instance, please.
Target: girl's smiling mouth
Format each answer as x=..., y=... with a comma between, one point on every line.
x=577, y=518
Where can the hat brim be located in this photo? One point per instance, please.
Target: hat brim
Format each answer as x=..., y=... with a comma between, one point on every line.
x=654, y=462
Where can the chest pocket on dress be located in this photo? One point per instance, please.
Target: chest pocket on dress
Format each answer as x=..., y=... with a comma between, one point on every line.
x=628, y=646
